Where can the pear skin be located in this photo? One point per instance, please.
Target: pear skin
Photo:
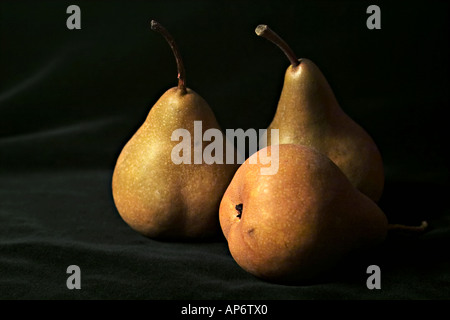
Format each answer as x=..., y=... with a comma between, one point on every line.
x=161, y=199
x=296, y=225
x=309, y=114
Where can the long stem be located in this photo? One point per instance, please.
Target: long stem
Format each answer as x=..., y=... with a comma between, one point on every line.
x=156, y=26
x=408, y=229
x=264, y=31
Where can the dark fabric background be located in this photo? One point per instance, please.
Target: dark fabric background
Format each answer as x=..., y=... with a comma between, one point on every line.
x=70, y=100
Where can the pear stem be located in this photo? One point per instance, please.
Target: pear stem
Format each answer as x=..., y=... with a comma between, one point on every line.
x=156, y=26
x=408, y=229
x=264, y=31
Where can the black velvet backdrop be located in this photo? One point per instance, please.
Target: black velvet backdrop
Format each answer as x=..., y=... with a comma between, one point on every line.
x=70, y=99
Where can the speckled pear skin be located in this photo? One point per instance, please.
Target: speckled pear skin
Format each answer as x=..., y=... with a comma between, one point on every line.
x=158, y=198
x=296, y=225
x=309, y=114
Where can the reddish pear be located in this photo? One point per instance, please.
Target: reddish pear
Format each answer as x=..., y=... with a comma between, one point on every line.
x=297, y=224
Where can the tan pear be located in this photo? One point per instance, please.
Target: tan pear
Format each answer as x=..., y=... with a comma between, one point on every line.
x=309, y=114
x=154, y=195
x=296, y=225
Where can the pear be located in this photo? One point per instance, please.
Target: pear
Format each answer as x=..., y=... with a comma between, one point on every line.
x=296, y=225
x=309, y=114
x=157, y=197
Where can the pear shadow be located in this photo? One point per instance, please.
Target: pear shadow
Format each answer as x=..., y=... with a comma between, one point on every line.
x=215, y=238
x=413, y=202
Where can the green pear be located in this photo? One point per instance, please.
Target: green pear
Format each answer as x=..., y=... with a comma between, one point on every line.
x=157, y=197
x=309, y=114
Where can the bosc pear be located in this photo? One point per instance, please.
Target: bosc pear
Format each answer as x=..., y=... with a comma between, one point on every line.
x=309, y=114
x=296, y=225
x=157, y=197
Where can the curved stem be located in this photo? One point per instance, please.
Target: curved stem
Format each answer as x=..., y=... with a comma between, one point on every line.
x=264, y=31
x=156, y=26
x=408, y=229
